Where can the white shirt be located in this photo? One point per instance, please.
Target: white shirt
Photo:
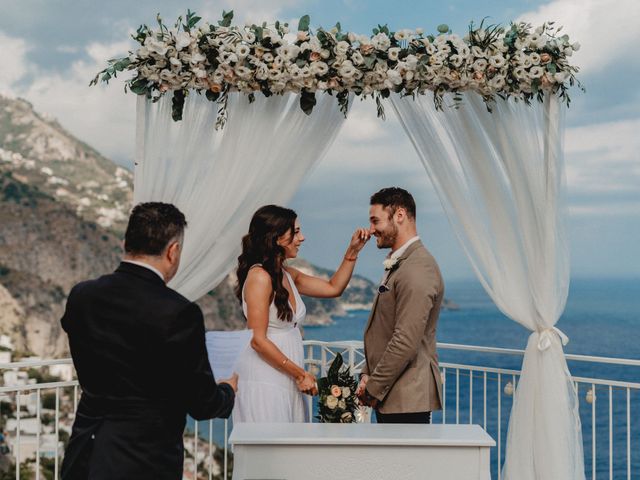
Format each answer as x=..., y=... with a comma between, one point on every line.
x=398, y=253
x=147, y=266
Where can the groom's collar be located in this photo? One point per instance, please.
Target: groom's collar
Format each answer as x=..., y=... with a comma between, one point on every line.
x=401, y=251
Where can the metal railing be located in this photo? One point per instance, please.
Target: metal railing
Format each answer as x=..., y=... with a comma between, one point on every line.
x=37, y=417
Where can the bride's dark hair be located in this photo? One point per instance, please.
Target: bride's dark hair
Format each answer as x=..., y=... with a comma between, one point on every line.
x=260, y=246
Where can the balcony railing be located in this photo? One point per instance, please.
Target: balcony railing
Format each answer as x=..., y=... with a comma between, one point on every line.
x=37, y=416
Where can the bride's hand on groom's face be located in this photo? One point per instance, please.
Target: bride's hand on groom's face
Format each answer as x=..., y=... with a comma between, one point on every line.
x=359, y=239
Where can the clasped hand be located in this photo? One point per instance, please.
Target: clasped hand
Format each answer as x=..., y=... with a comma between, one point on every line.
x=361, y=392
x=307, y=384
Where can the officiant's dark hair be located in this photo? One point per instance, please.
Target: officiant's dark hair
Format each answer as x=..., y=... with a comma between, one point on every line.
x=394, y=198
x=260, y=246
x=151, y=227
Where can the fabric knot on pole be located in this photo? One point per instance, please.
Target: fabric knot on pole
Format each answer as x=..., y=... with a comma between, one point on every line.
x=545, y=336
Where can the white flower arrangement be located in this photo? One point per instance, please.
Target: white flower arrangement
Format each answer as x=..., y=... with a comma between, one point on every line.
x=389, y=263
x=217, y=59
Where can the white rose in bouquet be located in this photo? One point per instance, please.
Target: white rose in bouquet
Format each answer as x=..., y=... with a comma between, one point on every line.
x=331, y=402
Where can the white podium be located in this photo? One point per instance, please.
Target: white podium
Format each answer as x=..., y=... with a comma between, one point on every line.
x=309, y=451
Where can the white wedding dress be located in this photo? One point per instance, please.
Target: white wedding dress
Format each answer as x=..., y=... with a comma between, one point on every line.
x=266, y=394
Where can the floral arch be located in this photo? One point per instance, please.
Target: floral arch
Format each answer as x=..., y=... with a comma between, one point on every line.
x=485, y=113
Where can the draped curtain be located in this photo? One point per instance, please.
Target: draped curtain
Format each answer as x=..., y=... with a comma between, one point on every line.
x=499, y=177
x=219, y=178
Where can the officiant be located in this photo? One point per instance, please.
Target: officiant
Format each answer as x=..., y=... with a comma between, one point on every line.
x=139, y=349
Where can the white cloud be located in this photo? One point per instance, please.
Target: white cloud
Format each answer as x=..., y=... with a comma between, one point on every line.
x=606, y=29
x=247, y=10
x=13, y=53
x=104, y=116
x=604, y=157
x=362, y=125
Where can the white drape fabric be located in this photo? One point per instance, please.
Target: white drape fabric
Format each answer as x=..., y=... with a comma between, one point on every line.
x=218, y=179
x=500, y=179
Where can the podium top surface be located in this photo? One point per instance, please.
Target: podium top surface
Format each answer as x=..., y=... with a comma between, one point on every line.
x=360, y=434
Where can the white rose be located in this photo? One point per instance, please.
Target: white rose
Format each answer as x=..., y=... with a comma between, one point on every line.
x=331, y=402
x=497, y=82
x=411, y=61
x=289, y=52
x=346, y=417
x=346, y=392
x=478, y=52
x=243, y=72
x=536, y=72
x=347, y=70
x=480, y=65
x=394, y=77
x=199, y=72
x=155, y=46
x=342, y=404
x=393, y=53
x=535, y=58
x=183, y=40
x=174, y=61
x=341, y=48
x=267, y=57
x=456, y=60
x=497, y=61
x=357, y=58
x=248, y=36
x=524, y=60
x=400, y=35
x=381, y=41
x=242, y=51
x=319, y=68
x=520, y=72
x=196, y=58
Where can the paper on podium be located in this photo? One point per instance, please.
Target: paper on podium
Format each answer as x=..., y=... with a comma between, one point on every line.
x=224, y=350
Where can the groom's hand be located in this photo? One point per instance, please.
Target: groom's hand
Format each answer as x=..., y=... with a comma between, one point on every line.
x=233, y=381
x=361, y=386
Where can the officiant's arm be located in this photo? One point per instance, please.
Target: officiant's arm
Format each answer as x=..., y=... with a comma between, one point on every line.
x=415, y=292
x=205, y=398
x=322, y=288
x=257, y=293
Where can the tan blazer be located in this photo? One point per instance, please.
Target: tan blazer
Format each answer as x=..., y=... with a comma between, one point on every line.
x=400, y=337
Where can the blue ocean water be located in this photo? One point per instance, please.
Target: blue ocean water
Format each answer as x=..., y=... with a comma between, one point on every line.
x=602, y=318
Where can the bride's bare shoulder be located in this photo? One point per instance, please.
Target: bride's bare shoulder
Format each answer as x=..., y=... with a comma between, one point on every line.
x=258, y=277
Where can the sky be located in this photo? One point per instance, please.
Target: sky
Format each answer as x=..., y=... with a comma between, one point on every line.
x=50, y=49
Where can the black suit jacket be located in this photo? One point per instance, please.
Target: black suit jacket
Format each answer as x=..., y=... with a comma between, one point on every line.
x=139, y=350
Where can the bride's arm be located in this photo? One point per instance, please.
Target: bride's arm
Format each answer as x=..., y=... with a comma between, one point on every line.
x=257, y=292
x=319, y=287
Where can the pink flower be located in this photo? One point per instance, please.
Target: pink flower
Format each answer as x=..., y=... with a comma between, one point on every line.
x=336, y=391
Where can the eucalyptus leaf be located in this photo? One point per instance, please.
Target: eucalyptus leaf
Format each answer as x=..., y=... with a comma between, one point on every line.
x=303, y=24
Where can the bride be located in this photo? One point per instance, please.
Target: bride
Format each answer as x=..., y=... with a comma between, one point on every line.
x=272, y=379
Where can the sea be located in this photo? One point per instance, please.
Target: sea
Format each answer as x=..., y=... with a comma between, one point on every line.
x=602, y=318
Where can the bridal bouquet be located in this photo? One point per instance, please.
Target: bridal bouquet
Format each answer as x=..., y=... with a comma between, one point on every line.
x=337, y=394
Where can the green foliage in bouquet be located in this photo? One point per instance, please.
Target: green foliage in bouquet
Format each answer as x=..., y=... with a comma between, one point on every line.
x=337, y=394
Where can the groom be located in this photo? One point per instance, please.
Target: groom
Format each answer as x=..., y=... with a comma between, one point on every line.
x=139, y=349
x=401, y=379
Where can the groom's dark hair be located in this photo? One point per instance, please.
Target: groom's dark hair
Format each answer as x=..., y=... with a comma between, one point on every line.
x=151, y=227
x=394, y=198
